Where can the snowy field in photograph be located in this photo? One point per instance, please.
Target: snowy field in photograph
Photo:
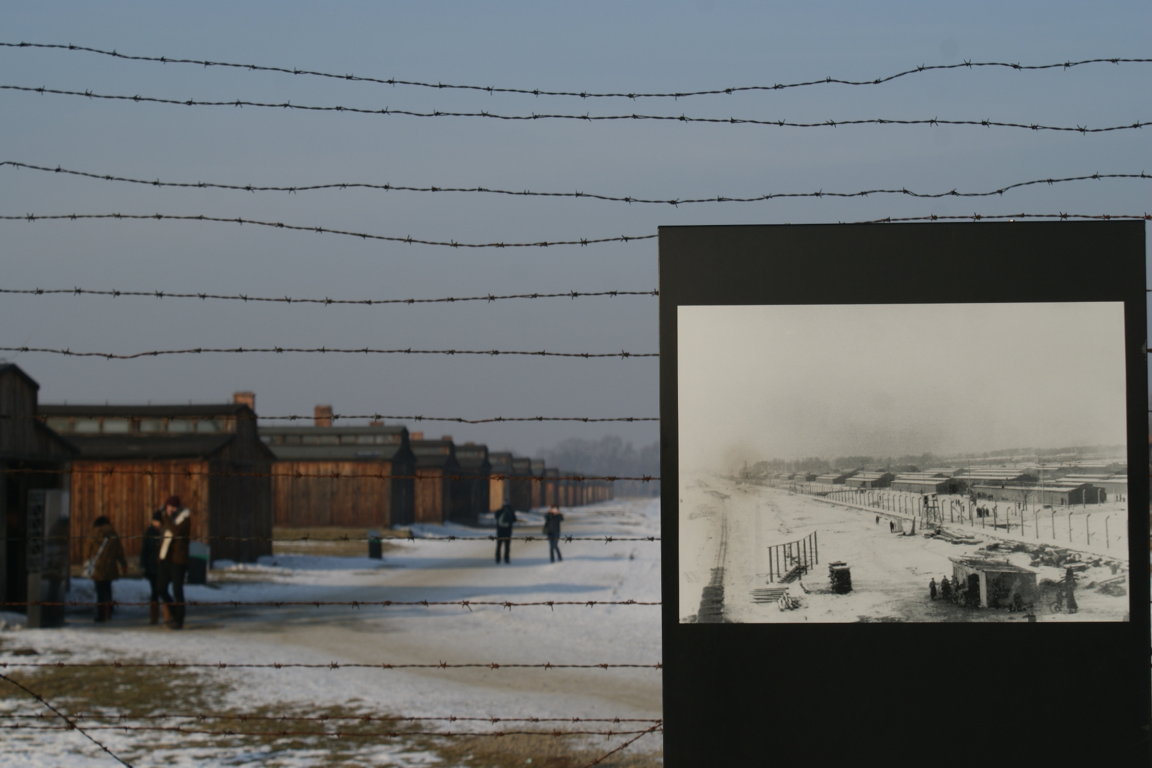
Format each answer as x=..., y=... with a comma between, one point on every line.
x=730, y=525
x=605, y=569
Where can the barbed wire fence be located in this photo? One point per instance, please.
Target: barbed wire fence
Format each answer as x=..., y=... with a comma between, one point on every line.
x=631, y=730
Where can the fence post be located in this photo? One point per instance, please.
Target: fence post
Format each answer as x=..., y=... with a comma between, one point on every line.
x=1107, y=538
x=1087, y=530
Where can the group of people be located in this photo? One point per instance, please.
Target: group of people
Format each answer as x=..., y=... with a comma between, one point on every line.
x=949, y=589
x=163, y=559
x=506, y=518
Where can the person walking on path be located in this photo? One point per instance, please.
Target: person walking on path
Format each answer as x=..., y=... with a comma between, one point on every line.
x=174, y=560
x=505, y=519
x=107, y=558
x=552, y=522
x=150, y=563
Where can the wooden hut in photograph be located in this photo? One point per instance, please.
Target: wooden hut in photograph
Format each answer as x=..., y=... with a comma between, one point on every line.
x=1114, y=487
x=520, y=493
x=133, y=457
x=920, y=482
x=995, y=584
x=475, y=474
x=870, y=479
x=345, y=477
x=440, y=494
x=34, y=461
x=1058, y=494
x=500, y=480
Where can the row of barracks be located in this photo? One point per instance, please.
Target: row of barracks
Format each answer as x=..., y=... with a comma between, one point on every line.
x=239, y=478
x=1059, y=485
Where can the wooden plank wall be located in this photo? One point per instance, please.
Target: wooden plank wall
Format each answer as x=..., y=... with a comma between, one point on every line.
x=127, y=492
x=333, y=493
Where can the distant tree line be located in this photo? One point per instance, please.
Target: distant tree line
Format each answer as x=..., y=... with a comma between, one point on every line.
x=609, y=456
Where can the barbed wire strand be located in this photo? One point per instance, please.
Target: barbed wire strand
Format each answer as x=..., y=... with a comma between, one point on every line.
x=625, y=745
x=71, y=724
x=469, y=604
x=12, y=417
x=207, y=717
x=406, y=539
x=327, y=301
x=491, y=89
x=408, y=240
x=389, y=111
x=623, y=354
x=491, y=666
x=331, y=734
x=191, y=472
x=348, y=185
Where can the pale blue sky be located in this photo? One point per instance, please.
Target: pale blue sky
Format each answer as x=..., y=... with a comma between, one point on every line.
x=594, y=46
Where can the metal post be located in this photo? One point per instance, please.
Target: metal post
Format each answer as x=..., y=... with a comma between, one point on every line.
x=1087, y=530
x=816, y=547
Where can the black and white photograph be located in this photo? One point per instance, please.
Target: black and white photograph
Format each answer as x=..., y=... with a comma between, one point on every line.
x=935, y=462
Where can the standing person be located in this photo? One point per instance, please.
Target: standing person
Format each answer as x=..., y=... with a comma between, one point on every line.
x=552, y=522
x=150, y=563
x=945, y=588
x=505, y=519
x=932, y=589
x=107, y=557
x=174, y=560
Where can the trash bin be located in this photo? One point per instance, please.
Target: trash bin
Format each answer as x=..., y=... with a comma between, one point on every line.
x=375, y=546
x=197, y=563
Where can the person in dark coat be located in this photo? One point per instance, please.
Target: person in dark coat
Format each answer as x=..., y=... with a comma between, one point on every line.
x=505, y=519
x=150, y=563
x=945, y=588
x=552, y=522
x=932, y=589
x=173, y=557
x=107, y=557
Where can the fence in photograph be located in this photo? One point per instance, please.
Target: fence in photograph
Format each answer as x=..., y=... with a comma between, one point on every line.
x=1095, y=528
x=793, y=558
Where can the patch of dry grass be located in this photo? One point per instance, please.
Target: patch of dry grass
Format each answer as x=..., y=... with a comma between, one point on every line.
x=329, y=541
x=168, y=708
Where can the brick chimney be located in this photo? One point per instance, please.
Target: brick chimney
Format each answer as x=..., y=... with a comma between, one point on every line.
x=323, y=416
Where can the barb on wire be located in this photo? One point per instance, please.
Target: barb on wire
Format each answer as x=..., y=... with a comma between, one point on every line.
x=315, y=230
x=157, y=183
x=324, y=350
x=333, y=665
x=469, y=604
x=71, y=724
x=492, y=89
x=389, y=111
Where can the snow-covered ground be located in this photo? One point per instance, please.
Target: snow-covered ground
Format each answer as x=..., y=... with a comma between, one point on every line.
x=733, y=524
x=424, y=569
